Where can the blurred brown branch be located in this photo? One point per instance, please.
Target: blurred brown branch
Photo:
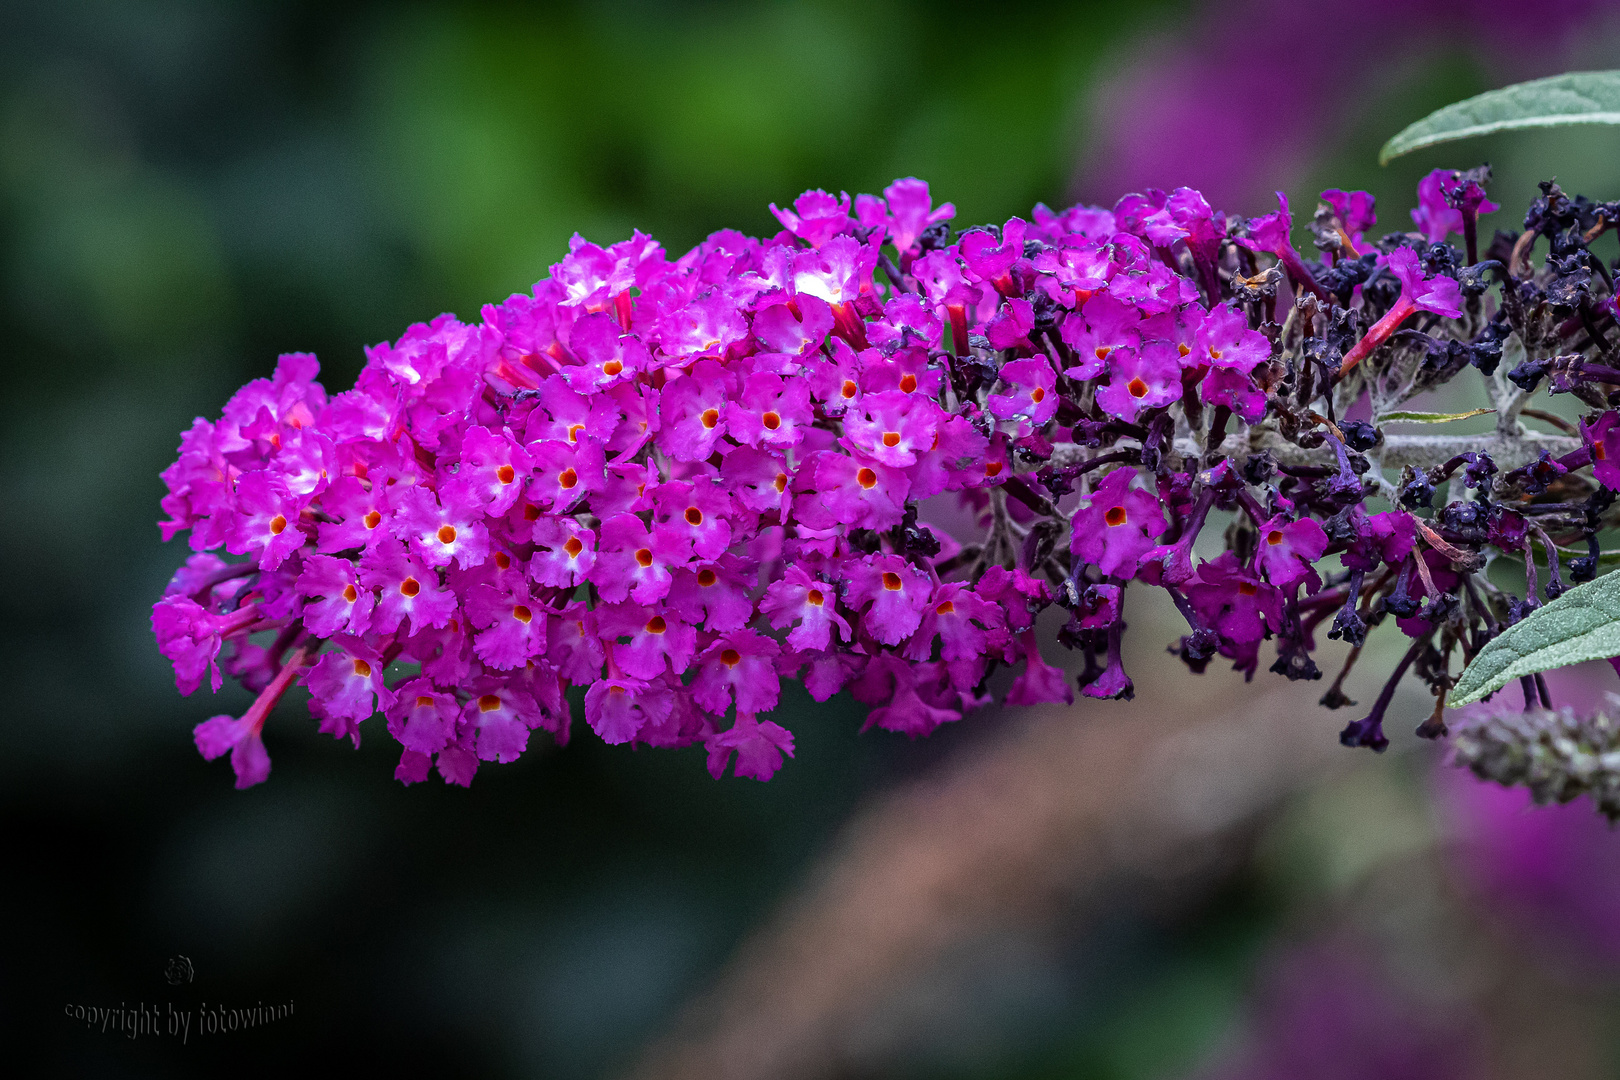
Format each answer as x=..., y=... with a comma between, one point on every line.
x=1058, y=810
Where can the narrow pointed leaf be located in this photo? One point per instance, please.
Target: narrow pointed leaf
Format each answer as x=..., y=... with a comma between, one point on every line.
x=1430, y=417
x=1579, y=97
x=1581, y=625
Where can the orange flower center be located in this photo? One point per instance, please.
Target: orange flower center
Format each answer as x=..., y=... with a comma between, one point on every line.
x=611, y=368
x=694, y=516
x=656, y=625
x=814, y=597
x=1101, y=352
x=349, y=594
x=1115, y=515
x=488, y=703
x=848, y=389
x=521, y=613
x=503, y=560
x=447, y=534
x=1183, y=348
x=1275, y=536
x=410, y=587
x=771, y=420
x=573, y=546
x=711, y=417
x=945, y=608
x=908, y=383
x=1037, y=395
x=644, y=556
x=277, y=524
x=506, y=474
x=781, y=482
x=424, y=702
x=992, y=468
x=891, y=581
x=707, y=577
x=567, y=478
x=731, y=658
x=891, y=438
x=1248, y=588
x=1137, y=387
x=361, y=668
x=372, y=520
x=866, y=478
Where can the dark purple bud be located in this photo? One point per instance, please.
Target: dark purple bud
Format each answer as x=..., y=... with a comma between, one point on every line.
x=1474, y=280
x=1335, y=698
x=1440, y=608
x=1528, y=375
x=1368, y=732
x=1479, y=471
x=1435, y=726
x=1349, y=625
x=935, y=237
x=1572, y=286
x=1399, y=603
x=1360, y=435
x=1416, y=491
x=1537, y=476
x=1197, y=649
x=1294, y=662
x=1047, y=311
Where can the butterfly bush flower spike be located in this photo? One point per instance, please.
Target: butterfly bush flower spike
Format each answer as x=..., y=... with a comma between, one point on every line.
x=676, y=486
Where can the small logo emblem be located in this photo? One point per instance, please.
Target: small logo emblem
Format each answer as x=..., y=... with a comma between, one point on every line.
x=178, y=970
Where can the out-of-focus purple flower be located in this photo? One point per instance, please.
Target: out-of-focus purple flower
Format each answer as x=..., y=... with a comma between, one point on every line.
x=1550, y=873
x=1325, y=1010
x=1157, y=124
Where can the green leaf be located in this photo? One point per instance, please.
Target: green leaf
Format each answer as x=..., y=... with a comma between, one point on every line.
x=1583, y=624
x=1579, y=97
x=1430, y=417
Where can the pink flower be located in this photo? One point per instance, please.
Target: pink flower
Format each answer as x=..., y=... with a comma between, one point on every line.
x=816, y=216
x=633, y=562
x=336, y=601
x=891, y=593
x=1287, y=549
x=512, y=625
x=911, y=211
x=647, y=641
x=1141, y=378
x=1118, y=526
x=738, y=666
x=1103, y=325
x=406, y=589
x=806, y=604
x=759, y=747
x=345, y=688
x=1030, y=392
x=892, y=427
x=1437, y=214
x=1238, y=605
x=1603, y=436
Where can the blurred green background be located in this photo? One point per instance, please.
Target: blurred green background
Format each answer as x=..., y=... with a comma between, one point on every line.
x=188, y=189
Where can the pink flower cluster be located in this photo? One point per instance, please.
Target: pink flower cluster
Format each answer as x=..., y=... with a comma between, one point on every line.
x=675, y=483
x=660, y=480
